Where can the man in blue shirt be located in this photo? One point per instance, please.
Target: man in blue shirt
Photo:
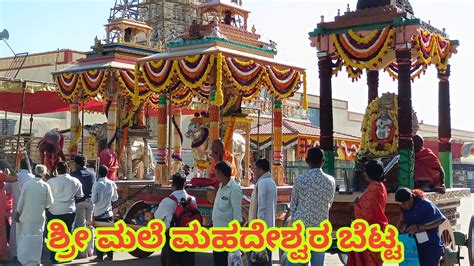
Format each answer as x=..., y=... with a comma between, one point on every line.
x=84, y=206
x=104, y=192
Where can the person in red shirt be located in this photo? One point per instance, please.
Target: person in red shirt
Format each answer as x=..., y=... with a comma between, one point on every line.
x=51, y=149
x=6, y=175
x=371, y=208
x=108, y=158
x=429, y=174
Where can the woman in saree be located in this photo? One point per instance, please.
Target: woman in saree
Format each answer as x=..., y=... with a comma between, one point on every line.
x=421, y=218
x=371, y=208
x=5, y=176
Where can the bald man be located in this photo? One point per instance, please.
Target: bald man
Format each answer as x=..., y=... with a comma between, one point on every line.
x=218, y=153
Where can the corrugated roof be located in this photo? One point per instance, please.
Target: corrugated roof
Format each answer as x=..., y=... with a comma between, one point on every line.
x=295, y=127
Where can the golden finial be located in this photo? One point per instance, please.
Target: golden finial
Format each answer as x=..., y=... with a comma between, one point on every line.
x=253, y=29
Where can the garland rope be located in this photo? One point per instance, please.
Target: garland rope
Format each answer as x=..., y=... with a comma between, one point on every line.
x=219, y=93
x=74, y=143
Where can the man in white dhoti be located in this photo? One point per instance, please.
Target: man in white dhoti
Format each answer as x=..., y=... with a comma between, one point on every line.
x=35, y=198
x=23, y=176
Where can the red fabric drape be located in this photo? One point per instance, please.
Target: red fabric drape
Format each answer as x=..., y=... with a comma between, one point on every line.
x=50, y=102
x=40, y=103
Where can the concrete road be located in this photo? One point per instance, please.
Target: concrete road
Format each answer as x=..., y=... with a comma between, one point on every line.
x=205, y=259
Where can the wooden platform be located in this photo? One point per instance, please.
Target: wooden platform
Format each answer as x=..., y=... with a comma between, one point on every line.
x=340, y=212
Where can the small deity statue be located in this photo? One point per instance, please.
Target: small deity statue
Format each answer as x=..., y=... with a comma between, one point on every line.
x=383, y=124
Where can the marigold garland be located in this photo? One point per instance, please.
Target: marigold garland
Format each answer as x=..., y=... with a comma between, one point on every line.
x=305, y=95
x=353, y=73
x=167, y=77
x=136, y=98
x=250, y=90
x=369, y=146
x=337, y=65
x=193, y=59
x=74, y=143
x=242, y=63
x=429, y=49
x=93, y=82
x=289, y=87
x=376, y=54
x=201, y=78
x=193, y=71
x=416, y=70
x=219, y=93
x=67, y=84
x=365, y=39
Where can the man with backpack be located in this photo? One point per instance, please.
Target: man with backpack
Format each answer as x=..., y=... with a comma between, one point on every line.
x=177, y=210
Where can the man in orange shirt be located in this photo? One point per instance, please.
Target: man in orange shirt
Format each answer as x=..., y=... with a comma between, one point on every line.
x=218, y=153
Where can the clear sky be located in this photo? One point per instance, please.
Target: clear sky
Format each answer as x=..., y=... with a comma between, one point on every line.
x=38, y=26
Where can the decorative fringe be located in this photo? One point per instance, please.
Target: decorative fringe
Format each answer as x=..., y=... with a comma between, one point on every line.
x=305, y=94
x=136, y=97
x=219, y=93
x=73, y=145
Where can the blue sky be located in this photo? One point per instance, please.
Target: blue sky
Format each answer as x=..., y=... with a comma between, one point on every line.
x=38, y=26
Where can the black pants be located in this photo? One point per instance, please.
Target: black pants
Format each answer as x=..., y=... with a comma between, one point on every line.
x=100, y=254
x=8, y=228
x=169, y=257
x=220, y=258
x=68, y=219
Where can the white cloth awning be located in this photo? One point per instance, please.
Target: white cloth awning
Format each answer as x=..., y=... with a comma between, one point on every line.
x=105, y=65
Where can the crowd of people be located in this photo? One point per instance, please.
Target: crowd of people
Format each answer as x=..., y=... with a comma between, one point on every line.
x=75, y=197
x=81, y=196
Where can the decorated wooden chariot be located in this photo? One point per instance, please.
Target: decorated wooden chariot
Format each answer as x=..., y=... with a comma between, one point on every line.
x=212, y=69
x=385, y=35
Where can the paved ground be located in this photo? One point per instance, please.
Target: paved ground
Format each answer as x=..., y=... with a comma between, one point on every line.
x=205, y=259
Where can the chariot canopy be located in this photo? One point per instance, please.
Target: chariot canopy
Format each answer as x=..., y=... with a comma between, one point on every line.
x=385, y=35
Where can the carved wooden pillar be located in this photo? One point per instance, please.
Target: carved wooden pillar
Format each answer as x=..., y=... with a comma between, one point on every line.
x=373, y=84
x=128, y=148
x=246, y=179
x=405, y=148
x=112, y=120
x=277, y=169
x=444, y=126
x=161, y=176
x=326, y=120
x=214, y=117
x=74, y=127
x=177, y=140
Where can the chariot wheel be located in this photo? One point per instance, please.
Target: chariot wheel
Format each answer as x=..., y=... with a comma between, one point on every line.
x=447, y=237
x=129, y=218
x=470, y=241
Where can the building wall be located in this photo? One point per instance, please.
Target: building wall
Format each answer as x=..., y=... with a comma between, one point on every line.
x=38, y=67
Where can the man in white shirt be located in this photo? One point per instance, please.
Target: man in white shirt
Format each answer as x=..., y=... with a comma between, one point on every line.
x=104, y=192
x=66, y=189
x=36, y=196
x=165, y=212
x=263, y=202
x=312, y=196
x=227, y=204
x=14, y=188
